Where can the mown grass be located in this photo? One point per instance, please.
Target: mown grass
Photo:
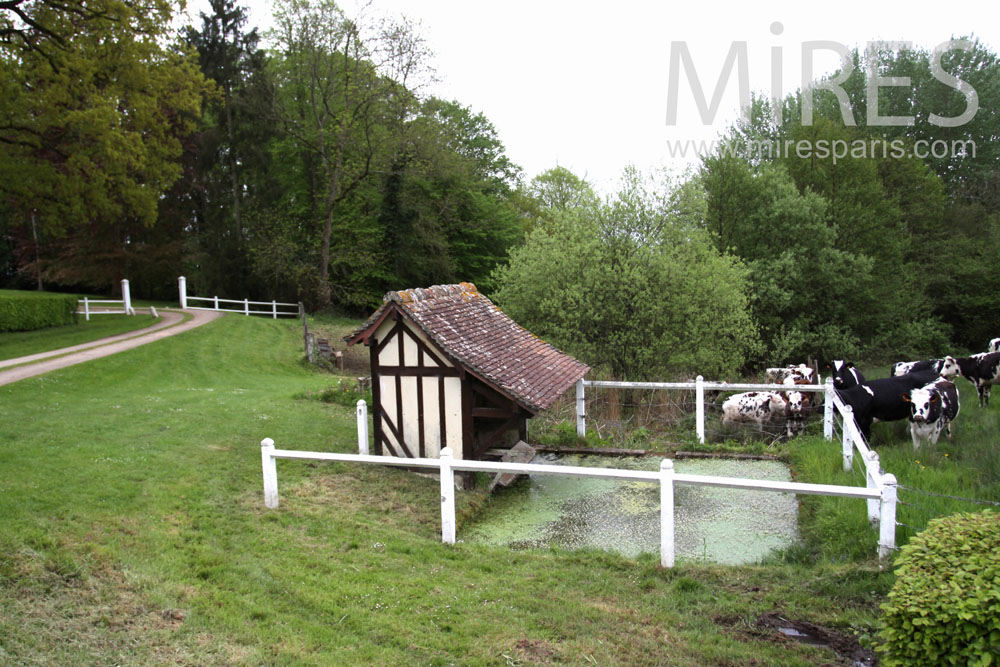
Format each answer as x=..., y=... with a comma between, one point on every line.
x=23, y=343
x=132, y=531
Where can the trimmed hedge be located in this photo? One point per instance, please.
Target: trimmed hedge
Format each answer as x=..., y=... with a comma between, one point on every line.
x=944, y=608
x=26, y=311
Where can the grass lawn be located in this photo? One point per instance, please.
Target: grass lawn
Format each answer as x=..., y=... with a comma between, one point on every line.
x=23, y=343
x=133, y=531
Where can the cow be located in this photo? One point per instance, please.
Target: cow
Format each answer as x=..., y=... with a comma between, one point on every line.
x=796, y=405
x=845, y=374
x=779, y=375
x=947, y=367
x=882, y=399
x=755, y=406
x=932, y=408
x=994, y=345
x=982, y=370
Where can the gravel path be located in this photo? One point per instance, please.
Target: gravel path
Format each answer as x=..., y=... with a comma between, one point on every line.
x=36, y=364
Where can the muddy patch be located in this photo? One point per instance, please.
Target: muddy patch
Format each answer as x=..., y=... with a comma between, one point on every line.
x=848, y=650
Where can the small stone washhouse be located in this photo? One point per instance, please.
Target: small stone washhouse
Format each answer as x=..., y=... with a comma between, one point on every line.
x=450, y=369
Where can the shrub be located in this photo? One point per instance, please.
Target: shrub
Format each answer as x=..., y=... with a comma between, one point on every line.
x=945, y=605
x=27, y=311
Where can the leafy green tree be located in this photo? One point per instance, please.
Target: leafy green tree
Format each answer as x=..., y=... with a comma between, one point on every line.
x=623, y=287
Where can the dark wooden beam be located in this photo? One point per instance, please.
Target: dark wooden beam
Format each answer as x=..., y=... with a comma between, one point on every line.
x=376, y=398
x=416, y=371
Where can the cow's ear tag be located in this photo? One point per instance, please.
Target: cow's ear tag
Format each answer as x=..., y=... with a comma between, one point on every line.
x=906, y=397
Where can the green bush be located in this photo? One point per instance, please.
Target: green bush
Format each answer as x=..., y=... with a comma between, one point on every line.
x=944, y=608
x=27, y=311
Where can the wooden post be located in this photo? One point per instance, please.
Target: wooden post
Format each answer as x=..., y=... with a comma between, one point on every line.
x=86, y=308
x=847, y=443
x=270, y=473
x=216, y=302
x=447, y=497
x=699, y=392
x=309, y=347
x=126, y=298
x=667, y=513
x=246, y=307
x=581, y=410
x=362, y=427
x=182, y=288
x=872, y=471
x=828, y=410
x=887, y=518
x=274, y=310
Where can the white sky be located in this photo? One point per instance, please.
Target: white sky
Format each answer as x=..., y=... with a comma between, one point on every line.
x=584, y=84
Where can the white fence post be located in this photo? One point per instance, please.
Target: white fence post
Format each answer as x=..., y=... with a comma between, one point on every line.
x=699, y=392
x=274, y=310
x=828, y=410
x=362, y=427
x=873, y=470
x=182, y=288
x=270, y=473
x=447, y=498
x=86, y=308
x=667, y=513
x=216, y=302
x=887, y=518
x=847, y=444
x=246, y=307
x=581, y=410
x=127, y=298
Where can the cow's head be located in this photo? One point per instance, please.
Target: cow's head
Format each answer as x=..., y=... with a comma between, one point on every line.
x=949, y=367
x=921, y=401
x=842, y=376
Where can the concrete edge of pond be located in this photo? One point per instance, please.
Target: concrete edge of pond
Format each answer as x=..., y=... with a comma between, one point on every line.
x=604, y=451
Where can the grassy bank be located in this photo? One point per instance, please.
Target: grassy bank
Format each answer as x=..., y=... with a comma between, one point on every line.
x=132, y=531
x=23, y=343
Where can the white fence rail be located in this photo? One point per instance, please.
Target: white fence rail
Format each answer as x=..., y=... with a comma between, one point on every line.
x=273, y=308
x=446, y=466
x=122, y=306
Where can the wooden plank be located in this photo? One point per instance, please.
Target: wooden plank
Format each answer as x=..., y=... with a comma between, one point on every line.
x=521, y=452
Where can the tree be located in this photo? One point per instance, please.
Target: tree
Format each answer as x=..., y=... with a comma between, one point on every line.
x=623, y=287
x=342, y=95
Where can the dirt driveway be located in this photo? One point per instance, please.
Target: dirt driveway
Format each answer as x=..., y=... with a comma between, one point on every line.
x=36, y=364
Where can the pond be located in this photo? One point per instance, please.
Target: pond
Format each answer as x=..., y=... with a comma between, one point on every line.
x=728, y=526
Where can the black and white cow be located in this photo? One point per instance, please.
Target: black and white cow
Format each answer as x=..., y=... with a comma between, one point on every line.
x=799, y=372
x=845, y=374
x=932, y=408
x=882, y=399
x=994, y=345
x=946, y=367
x=761, y=407
x=797, y=405
x=982, y=370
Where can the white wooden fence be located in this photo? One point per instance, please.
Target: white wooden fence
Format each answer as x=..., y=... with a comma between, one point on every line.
x=699, y=386
x=272, y=307
x=122, y=306
x=879, y=490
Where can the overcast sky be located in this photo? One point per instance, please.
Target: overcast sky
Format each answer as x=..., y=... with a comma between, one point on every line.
x=584, y=84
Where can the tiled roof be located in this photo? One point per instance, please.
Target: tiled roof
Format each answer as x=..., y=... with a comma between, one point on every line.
x=478, y=335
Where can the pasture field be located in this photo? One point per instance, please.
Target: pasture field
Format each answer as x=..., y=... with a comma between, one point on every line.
x=133, y=531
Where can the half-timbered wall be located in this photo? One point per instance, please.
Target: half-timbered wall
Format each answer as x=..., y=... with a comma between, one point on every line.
x=419, y=394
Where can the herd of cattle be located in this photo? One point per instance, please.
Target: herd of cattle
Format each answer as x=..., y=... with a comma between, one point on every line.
x=921, y=391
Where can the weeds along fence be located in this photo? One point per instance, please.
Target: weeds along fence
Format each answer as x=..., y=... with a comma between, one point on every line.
x=617, y=410
x=122, y=306
x=273, y=308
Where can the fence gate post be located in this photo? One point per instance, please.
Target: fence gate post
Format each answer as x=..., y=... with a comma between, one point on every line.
x=887, y=518
x=270, y=473
x=447, y=498
x=126, y=298
x=581, y=410
x=847, y=445
x=872, y=470
x=182, y=288
x=828, y=410
x=667, y=513
x=362, y=427
x=699, y=392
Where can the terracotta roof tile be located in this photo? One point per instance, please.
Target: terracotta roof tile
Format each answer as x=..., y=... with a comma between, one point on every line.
x=477, y=334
